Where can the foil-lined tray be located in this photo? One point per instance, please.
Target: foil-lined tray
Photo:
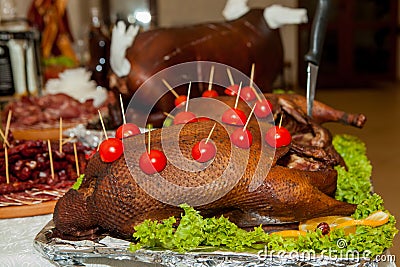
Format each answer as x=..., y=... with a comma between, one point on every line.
x=114, y=252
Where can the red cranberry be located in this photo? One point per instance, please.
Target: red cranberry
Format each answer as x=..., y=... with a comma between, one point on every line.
x=324, y=227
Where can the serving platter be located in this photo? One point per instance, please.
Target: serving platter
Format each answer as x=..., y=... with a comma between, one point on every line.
x=115, y=252
x=43, y=208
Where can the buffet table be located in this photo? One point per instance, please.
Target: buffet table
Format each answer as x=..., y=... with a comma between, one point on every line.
x=16, y=246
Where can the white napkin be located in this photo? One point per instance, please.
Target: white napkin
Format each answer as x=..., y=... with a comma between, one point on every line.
x=277, y=16
x=121, y=39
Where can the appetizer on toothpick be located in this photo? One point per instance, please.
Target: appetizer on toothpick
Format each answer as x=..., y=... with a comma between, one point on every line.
x=210, y=92
x=179, y=99
x=126, y=129
x=7, y=167
x=233, y=88
x=234, y=115
x=111, y=148
x=152, y=160
x=278, y=136
x=76, y=160
x=247, y=93
x=242, y=137
x=185, y=116
x=204, y=150
x=50, y=158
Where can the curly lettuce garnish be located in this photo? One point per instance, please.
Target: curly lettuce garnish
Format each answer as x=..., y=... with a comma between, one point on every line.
x=78, y=182
x=354, y=186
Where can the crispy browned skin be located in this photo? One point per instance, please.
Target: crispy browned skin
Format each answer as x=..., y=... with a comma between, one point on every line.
x=110, y=197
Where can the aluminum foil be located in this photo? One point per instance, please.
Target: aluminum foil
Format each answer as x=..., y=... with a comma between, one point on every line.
x=110, y=251
x=90, y=138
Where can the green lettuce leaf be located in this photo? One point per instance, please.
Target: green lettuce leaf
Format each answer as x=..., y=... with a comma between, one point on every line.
x=354, y=186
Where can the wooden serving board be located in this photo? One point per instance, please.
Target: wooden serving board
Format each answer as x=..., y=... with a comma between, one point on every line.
x=46, y=207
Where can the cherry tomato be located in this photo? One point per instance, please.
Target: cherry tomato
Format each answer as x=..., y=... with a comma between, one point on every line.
x=232, y=90
x=234, y=116
x=278, y=136
x=263, y=108
x=180, y=100
x=247, y=93
x=111, y=149
x=184, y=117
x=241, y=138
x=126, y=130
x=203, y=152
x=203, y=119
x=210, y=93
x=152, y=162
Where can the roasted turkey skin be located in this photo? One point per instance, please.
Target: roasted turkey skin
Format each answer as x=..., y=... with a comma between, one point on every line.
x=110, y=197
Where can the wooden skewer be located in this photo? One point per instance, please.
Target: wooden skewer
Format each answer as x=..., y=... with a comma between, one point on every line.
x=257, y=95
x=187, y=100
x=170, y=88
x=148, y=141
x=251, y=83
x=238, y=95
x=168, y=115
x=51, y=158
x=209, y=135
x=100, y=139
x=69, y=139
x=122, y=109
x=252, y=75
x=61, y=139
x=211, y=78
x=76, y=160
x=6, y=159
x=230, y=76
x=7, y=125
x=102, y=124
x=248, y=119
x=4, y=138
x=280, y=121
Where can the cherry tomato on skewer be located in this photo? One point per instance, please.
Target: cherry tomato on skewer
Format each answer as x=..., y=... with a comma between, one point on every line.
x=152, y=162
x=111, y=149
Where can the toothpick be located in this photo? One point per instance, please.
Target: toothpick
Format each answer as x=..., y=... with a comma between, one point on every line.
x=100, y=139
x=280, y=121
x=122, y=109
x=76, y=160
x=187, y=100
x=4, y=138
x=230, y=76
x=257, y=95
x=69, y=139
x=51, y=158
x=6, y=159
x=238, y=95
x=209, y=135
x=61, y=139
x=211, y=78
x=148, y=141
x=168, y=115
x=170, y=88
x=248, y=119
x=102, y=124
x=7, y=125
x=252, y=75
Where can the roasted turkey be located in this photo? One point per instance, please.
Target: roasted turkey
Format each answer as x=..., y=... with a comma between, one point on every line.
x=258, y=185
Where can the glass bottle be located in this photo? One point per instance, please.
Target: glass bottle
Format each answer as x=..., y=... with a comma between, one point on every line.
x=99, y=49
